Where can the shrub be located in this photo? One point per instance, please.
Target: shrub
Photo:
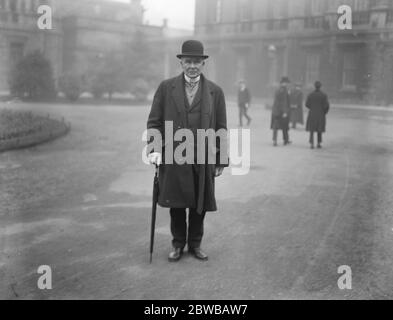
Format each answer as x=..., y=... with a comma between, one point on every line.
x=32, y=78
x=71, y=86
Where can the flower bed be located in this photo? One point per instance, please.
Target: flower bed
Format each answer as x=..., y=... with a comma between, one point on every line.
x=19, y=129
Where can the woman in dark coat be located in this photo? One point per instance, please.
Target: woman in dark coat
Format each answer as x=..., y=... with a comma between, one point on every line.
x=296, y=97
x=318, y=105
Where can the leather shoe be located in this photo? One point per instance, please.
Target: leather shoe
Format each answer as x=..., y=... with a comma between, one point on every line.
x=198, y=253
x=175, y=255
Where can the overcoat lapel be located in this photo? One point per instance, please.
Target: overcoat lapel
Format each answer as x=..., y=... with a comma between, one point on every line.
x=206, y=107
x=206, y=113
x=178, y=96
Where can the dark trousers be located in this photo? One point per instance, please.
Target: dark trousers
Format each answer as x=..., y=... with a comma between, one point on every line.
x=179, y=227
x=319, y=134
x=285, y=135
x=243, y=113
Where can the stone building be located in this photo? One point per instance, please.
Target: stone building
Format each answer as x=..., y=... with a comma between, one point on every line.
x=262, y=40
x=83, y=31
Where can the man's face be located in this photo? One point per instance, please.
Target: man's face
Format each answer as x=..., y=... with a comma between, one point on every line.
x=192, y=66
x=284, y=85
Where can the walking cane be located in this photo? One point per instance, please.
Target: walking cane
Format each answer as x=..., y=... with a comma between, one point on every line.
x=153, y=212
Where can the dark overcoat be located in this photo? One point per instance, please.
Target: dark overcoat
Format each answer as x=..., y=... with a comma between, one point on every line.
x=281, y=105
x=243, y=97
x=296, y=98
x=176, y=181
x=318, y=105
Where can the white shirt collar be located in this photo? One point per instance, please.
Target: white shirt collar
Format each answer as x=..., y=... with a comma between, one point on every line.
x=189, y=80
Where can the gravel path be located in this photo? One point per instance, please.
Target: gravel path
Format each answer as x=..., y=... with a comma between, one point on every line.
x=81, y=204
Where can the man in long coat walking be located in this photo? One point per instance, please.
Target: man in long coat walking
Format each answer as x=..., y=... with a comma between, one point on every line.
x=318, y=104
x=188, y=101
x=281, y=111
x=243, y=102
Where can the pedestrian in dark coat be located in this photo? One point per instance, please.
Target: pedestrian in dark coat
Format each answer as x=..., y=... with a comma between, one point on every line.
x=296, y=98
x=188, y=101
x=243, y=102
x=318, y=105
x=281, y=111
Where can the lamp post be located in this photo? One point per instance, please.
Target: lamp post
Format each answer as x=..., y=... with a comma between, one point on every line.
x=272, y=54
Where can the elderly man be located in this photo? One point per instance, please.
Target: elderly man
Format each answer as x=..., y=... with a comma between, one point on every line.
x=189, y=101
x=281, y=111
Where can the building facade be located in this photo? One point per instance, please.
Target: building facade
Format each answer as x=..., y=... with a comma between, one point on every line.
x=83, y=31
x=262, y=40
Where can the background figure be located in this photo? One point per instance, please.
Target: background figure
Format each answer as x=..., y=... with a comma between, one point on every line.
x=280, y=112
x=243, y=101
x=296, y=98
x=318, y=105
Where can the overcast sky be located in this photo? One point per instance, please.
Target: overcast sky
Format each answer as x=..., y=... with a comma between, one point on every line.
x=180, y=13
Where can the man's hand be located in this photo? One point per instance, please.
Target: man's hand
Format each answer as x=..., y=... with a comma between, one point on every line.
x=247, y=105
x=155, y=158
x=284, y=115
x=219, y=171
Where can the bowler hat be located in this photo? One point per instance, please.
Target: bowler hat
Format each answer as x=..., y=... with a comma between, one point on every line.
x=192, y=48
x=285, y=80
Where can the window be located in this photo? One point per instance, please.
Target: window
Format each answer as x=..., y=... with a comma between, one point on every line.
x=312, y=68
x=245, y=10
x=349, y=71
x=16, y=52
x=317, y=7
x=22, y=6
x=218, y=11
x=2, y=4
x=270, y=10
x=361, y=5
x=283, y=9
x=13, y=6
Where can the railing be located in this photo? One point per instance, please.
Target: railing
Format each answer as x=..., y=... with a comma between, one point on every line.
x=325, y=22
x=361, y=18
x=277, y=24
x=17, y=20
x=317, y=22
